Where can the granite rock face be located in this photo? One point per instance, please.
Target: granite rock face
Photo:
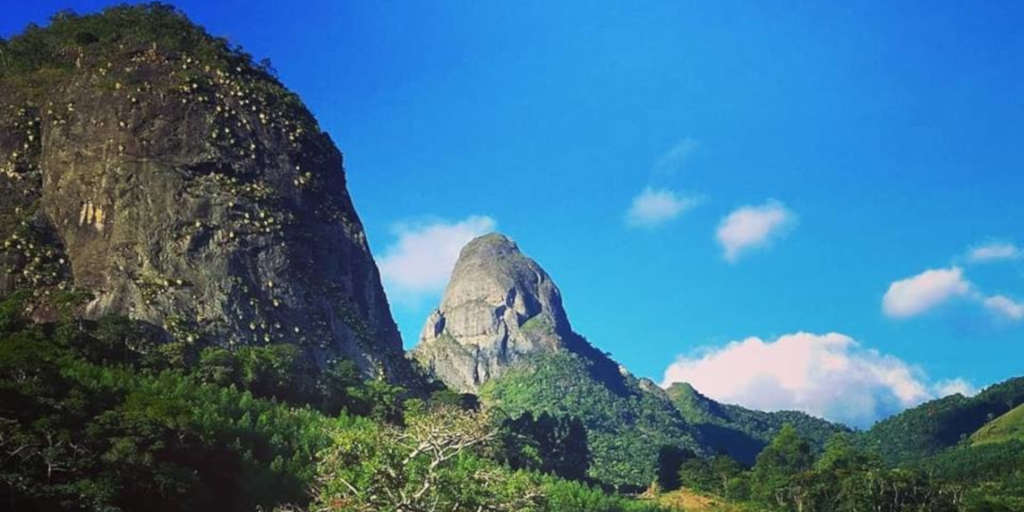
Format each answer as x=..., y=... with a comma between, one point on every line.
x=193, y=192
x=500, y=306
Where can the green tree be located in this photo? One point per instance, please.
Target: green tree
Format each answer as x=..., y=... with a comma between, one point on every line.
x=695, y=473
x=428, y=465
x=547, y=443
x=842, y=453
x=783, y=459
x=725, y=469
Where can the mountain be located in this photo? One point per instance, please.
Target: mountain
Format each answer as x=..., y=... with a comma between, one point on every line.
x=1009, y=426
x=939, y=424
x=499, y=307
x=742, y=433
x=501, y=331
x=158, y=173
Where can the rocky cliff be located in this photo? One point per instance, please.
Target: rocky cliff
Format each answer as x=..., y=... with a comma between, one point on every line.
x=499, y=306
x=163, y=172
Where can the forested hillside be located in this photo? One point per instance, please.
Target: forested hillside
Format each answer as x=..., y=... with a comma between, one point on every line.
x=933, y=426
x=501, y=331
x=787, y=476
x=100, y=415
x=629, y=430
x=742, y=433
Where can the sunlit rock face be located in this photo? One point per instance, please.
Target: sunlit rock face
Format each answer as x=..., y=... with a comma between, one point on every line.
x=192, y=192
x=500, y=306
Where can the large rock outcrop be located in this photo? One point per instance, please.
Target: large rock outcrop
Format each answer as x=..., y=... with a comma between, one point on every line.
x=501, y=332
x=499, y=307
x=182, y=185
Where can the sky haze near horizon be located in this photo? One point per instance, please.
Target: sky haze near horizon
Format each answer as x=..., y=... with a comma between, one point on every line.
x=823, y=202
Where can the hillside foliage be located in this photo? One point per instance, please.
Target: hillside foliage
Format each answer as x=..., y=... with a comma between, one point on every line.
x=100, y=415
x=845, y=477
x=939, y=424
x=38, y=56
x=742, y=433
x=96, y=415
x=625, y=429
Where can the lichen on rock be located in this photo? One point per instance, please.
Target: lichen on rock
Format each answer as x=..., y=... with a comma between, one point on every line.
x=177, y=181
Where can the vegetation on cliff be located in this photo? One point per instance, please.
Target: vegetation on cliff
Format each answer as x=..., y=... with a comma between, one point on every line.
x=180, y=183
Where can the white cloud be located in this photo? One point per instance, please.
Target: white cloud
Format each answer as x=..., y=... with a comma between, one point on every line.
x=674, y=158
x=915, y=295
x=995, y=251
x=421, y=259
x=653, y=207
x=1005, y=307
x=954, y=386
x=929, y=289
x=827, y=375
x=753, y=226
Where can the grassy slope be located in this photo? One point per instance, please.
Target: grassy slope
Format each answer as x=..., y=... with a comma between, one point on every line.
x=939, y=424
x=1004, y=428
x=690, y=501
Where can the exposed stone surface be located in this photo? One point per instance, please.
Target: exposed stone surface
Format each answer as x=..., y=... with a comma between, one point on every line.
x=499, y=307
x=196, y=195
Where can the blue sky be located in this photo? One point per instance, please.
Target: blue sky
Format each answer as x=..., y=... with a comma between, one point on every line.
x=785, y=165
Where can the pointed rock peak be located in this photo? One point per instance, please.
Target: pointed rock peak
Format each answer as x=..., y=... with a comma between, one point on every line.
x=495, y=243
x=499, y=307
x=682, y=389
x=492, y=269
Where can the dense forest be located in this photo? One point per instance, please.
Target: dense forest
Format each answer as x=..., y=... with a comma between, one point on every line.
x=99, y=415
x=787, y=476
x=627, y=427
x=933, y=426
